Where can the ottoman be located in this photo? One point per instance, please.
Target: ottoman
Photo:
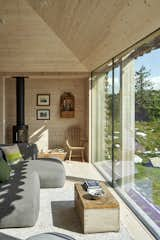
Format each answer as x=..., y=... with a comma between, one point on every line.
x=51, y=172
x=100, y=215
x=50, y=236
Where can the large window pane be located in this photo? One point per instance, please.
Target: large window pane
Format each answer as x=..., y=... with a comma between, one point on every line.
x=126, y=127
x=140, y=124
x=117, y=164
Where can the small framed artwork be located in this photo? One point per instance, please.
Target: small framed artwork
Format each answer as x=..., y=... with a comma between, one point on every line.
x=43, y=99
x=43, y=114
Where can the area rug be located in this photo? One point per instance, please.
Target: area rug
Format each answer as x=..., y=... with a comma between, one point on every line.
x=57, y=214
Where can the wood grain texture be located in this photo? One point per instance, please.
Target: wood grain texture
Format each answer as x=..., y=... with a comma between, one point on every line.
x=28, y=44
x=50, y=133
x=70, y=35
x=2, y=117
x=108, y=201
x=48, y=75
x=135, y=21
x=52, y=154
x=82, y=25
x=97, y=30
x=99, y=215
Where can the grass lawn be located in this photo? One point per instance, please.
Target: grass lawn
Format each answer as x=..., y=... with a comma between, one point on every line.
x=150, y=143
x=152, y=131
x=154, y=175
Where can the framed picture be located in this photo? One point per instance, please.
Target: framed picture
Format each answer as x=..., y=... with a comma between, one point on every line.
x=43, y=99
x=43, y=114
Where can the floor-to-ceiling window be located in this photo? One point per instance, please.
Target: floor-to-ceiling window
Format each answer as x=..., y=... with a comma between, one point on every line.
x=126, y=130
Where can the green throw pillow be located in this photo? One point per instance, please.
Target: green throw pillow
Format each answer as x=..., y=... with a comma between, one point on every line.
x=12, y=154
x=4, y=170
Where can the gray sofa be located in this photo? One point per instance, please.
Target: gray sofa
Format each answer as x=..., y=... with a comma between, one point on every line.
x=20, y=196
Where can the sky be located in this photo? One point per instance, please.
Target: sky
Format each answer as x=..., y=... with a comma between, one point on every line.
x=151, y=61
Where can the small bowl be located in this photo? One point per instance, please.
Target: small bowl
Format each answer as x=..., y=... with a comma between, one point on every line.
x=95, y=194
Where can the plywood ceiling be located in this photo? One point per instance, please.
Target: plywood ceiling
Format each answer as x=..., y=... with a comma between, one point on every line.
x=28, y=44
x=70, y=35
x=83, y=24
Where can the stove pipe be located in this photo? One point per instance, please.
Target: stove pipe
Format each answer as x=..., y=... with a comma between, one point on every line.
x=20, y=102
x=20, y=131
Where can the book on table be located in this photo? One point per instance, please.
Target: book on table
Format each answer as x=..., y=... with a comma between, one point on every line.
x=92, y=184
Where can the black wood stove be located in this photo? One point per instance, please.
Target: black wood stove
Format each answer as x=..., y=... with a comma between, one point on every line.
x=20, y=131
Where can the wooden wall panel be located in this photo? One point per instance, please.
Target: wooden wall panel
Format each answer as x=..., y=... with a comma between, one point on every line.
x=2, y=110
x=52, y=132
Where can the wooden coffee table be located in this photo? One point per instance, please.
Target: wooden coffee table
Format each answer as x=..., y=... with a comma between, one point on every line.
x=101, y=215
x=52, y=154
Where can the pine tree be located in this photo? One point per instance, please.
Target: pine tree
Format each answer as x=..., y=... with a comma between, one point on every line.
x=142, y=84
x=143, y=87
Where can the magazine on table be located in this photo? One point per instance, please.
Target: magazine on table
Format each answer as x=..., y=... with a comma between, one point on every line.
x=91, y=184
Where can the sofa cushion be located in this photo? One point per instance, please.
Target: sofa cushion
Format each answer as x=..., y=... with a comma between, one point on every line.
x=51, y=172
x=4, y=236
x=4, y=170
x=19, y=197
x=12, y=154
x=1, y=154
x=50, y=236
x=28, y=151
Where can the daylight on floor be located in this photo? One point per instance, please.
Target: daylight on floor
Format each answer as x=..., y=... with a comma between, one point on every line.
x=80, y=120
